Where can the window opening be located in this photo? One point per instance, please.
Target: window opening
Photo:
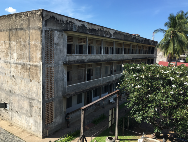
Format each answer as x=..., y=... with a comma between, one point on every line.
x=69, y=102
x=89, y=97
x=89, y=74
x=69, y=48
x=79, y=98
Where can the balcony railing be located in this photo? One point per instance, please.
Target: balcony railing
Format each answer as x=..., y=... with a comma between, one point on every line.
x=91, y=83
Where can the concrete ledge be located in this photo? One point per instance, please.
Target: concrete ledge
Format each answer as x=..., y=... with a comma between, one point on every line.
x=84, y=58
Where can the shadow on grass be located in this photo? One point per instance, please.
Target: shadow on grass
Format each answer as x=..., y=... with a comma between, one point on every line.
x=127, y=137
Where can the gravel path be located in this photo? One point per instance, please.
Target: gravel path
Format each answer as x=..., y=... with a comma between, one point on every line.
x=5, y=136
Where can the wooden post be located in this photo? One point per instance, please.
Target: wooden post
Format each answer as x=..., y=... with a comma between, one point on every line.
x=82, y=124
x=128, y=123
x=117, y=106
x=111, y=118
x=123, y=125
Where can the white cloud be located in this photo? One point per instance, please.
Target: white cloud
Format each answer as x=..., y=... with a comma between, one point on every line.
x=10, y=10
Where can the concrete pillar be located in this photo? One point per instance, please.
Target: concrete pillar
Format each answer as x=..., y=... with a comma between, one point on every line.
x=85, y=98
x=113, y=68
x=130, y=48
x=92, y=95
x=86, y=73
x=136, y=49
x=102, y=50
x=101, y=71
x=114, y=48
x=65, y=78
x=100, y=92
x=64, y=105
x=123, y=49
x=86, y=45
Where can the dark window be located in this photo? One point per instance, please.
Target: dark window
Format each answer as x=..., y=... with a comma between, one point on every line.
x=95, y=93
x=100, y=50
x=118, y=67
x=106, y=50
x=69, y=102
x=106, y=70
x=68, y=74
x=80, y=49
x=116, y=84
x=79, y=98
x=105, y=89
x=69, y=47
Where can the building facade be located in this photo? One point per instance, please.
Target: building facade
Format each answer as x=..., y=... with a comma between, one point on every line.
x=51, y=64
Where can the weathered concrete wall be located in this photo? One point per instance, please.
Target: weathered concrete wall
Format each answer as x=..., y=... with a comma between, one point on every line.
x=160, y=56
x=20, y=70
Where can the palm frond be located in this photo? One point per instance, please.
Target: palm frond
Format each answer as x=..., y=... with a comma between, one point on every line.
x=159, y=30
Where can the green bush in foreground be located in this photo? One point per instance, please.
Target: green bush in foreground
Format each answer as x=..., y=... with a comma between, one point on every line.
x=158, y=95
x=69, y=137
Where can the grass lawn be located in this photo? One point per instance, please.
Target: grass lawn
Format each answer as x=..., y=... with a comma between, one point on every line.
x=127, y=137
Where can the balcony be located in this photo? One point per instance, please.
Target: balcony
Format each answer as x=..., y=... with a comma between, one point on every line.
x=84, y=58
x=91, y=83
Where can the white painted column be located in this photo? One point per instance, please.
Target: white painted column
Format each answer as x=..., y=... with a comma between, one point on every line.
x=123, y=48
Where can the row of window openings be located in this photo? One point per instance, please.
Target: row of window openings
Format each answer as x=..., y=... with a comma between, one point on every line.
x=96, y=93
x=108, y=72
x=81, y=49
x=81, y=76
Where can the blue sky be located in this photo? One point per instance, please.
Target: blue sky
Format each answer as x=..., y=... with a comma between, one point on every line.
x=132, y=16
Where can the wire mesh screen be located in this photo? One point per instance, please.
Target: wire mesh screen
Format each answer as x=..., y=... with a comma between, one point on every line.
x=49, y=47
x=49, y=112
x=49, y=93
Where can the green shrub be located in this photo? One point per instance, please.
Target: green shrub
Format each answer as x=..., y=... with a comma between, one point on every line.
x=69, y=137
x=186, y=60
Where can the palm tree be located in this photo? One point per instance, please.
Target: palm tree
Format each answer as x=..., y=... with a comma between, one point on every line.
x=175, y=39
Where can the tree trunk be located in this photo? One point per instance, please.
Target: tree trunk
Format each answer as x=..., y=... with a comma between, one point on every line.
x=169, y=59
x=176, y=63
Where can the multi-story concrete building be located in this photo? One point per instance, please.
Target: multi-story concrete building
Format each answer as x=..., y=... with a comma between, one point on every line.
x=51, y=64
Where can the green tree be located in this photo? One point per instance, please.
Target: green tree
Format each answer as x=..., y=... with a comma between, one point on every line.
x=158, y=95
x=175, y=37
